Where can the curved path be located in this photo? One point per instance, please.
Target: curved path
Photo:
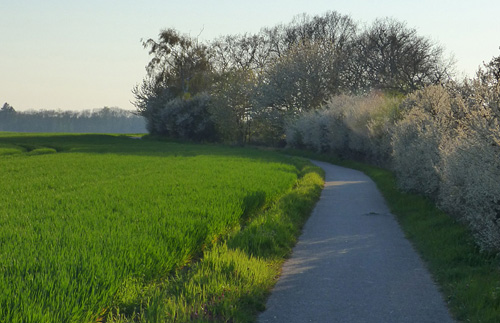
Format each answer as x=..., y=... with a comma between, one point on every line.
x=353, y=263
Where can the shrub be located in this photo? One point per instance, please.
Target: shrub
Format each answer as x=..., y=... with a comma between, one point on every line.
x=184, y=119
x=470, y=171
x=417, y=138
x=447, y=147
x=349, y=126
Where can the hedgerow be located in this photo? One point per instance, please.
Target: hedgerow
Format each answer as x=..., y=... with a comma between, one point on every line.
x=442, y=141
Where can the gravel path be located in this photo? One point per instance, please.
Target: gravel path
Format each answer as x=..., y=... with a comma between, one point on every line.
x=353, y=263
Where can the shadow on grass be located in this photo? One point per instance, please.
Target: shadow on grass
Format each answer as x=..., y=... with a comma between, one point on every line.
x=233, y=277
x=273, y=234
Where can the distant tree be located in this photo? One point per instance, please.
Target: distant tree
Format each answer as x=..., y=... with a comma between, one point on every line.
x=7, y=108
x=106, y=120
x=8, y=117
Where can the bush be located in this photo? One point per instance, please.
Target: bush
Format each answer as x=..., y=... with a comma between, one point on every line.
x=417, y=138
x=184, y=119
x=447, y=147
x=470, y=171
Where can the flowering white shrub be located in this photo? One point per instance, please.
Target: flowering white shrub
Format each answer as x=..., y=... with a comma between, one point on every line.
x=349, y=126
x=470, y=188
x=417, y=138
x=470, y=171
x=447, y=146
x=441, y=141
x=416, y=153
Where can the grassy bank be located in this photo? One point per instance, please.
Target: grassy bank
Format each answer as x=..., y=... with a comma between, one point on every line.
x=107, y=228
x=468, y=278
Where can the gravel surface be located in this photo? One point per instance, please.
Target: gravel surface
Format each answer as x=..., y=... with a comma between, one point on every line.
x=353, y=264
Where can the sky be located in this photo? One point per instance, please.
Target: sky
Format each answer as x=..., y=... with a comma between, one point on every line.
x=76, y=55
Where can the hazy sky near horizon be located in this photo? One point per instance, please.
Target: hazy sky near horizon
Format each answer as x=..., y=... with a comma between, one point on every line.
x=71, y=55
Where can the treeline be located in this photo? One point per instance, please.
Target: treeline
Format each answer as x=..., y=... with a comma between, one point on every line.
x=380, y=93
x=105, y=120
x=244, y=88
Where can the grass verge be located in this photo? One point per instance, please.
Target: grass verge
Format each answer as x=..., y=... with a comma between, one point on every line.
x=468, y=278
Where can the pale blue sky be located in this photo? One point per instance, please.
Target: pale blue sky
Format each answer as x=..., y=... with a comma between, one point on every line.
x=71, y=55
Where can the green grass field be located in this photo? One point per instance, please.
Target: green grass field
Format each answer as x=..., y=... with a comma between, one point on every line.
x=102, y=228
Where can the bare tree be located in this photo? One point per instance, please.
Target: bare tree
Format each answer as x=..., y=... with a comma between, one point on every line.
x=391, y=56
x=493, y=68
x=246, y=52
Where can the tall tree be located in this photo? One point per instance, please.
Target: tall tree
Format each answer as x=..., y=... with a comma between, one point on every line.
x=179, y=66
x=180, y=69
x=390, y=56
x=179, y=62
x=309, y=63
